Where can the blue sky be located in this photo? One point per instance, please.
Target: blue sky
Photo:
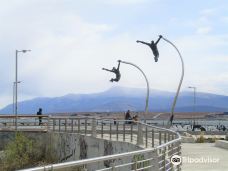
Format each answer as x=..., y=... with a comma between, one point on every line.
x=71, y=40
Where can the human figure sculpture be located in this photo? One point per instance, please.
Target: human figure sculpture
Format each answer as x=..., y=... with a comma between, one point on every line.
x=115, y=71
x=153, y=47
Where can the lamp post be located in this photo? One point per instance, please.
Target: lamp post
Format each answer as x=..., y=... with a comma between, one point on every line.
x=16, y=82
x=194, y=101
x=153, y=46
x=194, y=95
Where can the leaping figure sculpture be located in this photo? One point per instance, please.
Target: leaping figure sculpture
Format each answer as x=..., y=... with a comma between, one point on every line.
x=115, y=71
x=153, y=47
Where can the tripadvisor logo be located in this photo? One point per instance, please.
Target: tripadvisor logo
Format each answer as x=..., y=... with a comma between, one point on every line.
x=175, y=160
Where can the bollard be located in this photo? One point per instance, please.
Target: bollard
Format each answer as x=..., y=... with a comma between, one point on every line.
x=140, y=135
x=48, y=123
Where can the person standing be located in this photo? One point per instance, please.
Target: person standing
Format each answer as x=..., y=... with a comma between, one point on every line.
x=40, y=113
x=128, y=117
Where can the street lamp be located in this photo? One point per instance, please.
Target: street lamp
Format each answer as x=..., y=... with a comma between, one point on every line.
x=194, y=91
x=144, y=75
x=16, y=82
x=154, y=49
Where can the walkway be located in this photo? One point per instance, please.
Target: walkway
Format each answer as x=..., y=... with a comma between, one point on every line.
x=204, y=151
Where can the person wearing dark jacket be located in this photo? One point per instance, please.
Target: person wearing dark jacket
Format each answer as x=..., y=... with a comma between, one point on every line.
x=128, y=117
x=40, y=113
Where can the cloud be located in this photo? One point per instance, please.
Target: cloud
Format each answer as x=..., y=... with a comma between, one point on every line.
x=204, y=30
x=209, y=12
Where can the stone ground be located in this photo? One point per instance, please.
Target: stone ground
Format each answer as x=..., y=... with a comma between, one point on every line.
x=198, y=151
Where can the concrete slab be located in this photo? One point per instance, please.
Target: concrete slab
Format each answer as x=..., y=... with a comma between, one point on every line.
x=222, y=144
x=204, y=157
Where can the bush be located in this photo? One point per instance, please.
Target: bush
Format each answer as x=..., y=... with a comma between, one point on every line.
x=211, y=140
x=17, y=153
x=23, y=152
x=201, y=139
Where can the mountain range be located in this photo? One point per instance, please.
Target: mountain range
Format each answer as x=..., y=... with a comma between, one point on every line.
x=118, y=99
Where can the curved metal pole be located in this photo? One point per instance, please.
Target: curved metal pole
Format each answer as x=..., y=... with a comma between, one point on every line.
x=182, y=75
x=147, y=84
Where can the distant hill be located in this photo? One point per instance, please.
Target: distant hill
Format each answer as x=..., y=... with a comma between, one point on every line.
x=121, y=99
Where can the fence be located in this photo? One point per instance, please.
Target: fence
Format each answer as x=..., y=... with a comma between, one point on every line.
x=158, y=144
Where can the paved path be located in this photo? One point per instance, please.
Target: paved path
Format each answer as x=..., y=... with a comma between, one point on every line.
x=205, y=151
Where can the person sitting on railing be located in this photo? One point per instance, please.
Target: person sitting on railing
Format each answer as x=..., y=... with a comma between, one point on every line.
x=128, y=117
x=135, y=118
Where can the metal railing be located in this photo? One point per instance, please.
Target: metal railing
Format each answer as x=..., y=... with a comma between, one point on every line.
x=157, y=144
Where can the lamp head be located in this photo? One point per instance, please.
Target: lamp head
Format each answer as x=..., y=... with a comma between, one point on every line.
x=24, y=51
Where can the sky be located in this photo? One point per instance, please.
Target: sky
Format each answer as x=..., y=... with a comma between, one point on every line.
x=71, y=40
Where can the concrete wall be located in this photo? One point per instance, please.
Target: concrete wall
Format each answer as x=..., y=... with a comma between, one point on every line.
x=70, y=146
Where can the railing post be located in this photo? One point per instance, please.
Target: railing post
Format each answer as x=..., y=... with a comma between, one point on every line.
x=53, y=124
x=146, y=138
x=124, y=131
x=179, y=153
x=165, y=137
x=48, y=123
x=113, y=167
x=79, y=125
x=131, y=132
x=135, y=165
x=164, y=151
x=72, y=124
x=110, y=133
x=140, y=135
x=152, y=137
x=102, y=129
x=59, y=125
x=94, y=127
x=117, y=131
x=160, y=137
x=85, y=126
x=65, y=124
